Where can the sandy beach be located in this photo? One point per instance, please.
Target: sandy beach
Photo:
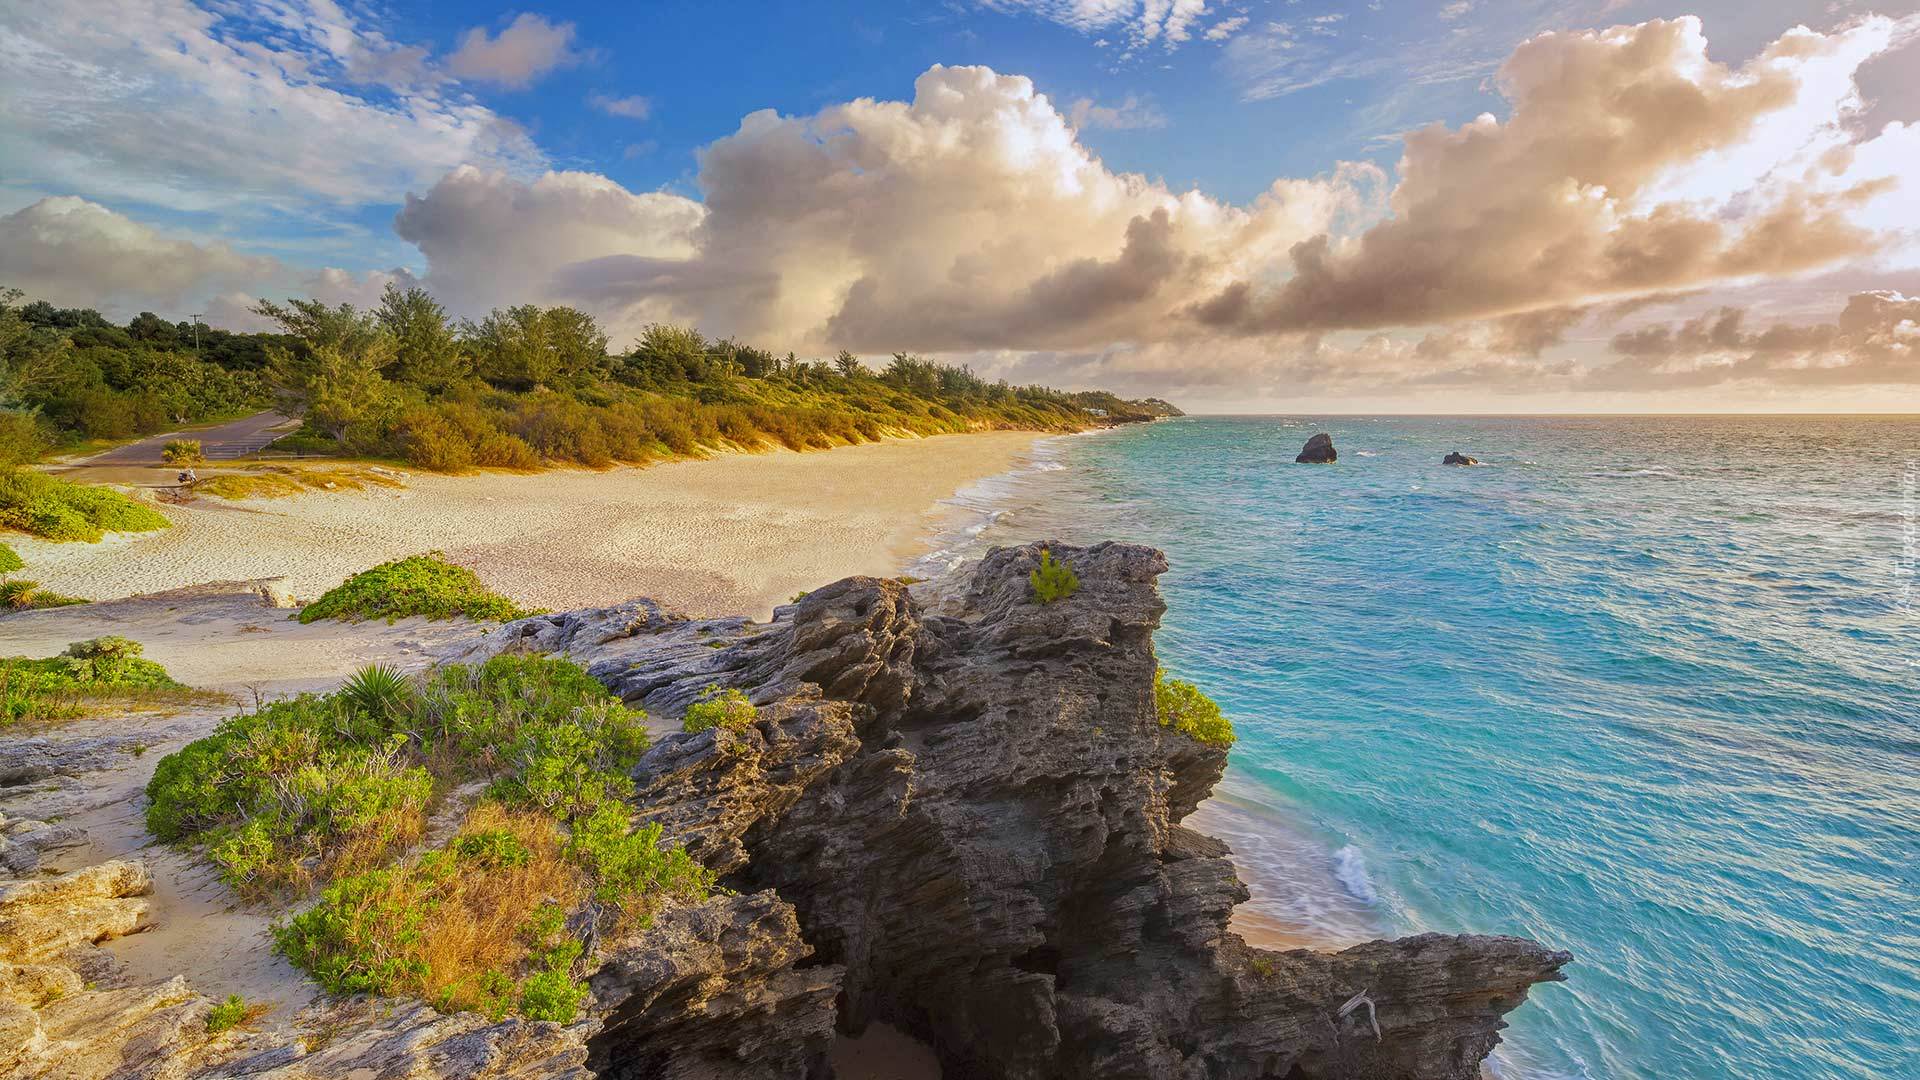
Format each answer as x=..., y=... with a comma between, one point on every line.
x=735, y=534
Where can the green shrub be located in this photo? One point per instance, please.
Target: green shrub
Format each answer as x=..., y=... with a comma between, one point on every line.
x=58, y=510
x=227, y=1015
x=98, y=671
x=1052, y=580
x=1184, y=707
x=182, y=452
x=630, y=868
x=729, y=709
x=425, y=585
x=10, y=559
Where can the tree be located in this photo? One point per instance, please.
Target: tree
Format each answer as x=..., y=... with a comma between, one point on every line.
x=426, y=353
x=317, y=325
x=847, y=364
x=526, y=346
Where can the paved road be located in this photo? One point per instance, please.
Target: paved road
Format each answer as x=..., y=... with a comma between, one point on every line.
x=223, y=442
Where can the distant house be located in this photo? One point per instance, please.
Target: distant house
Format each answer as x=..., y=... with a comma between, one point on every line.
x=1096, y=412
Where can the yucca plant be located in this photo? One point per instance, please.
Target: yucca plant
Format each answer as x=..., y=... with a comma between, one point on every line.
x=379, y=692
x=18, y=594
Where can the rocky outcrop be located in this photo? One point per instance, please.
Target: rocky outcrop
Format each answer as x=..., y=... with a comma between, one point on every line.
x=1318, y=451
x=965, y=825
x=976, y=821
x=1458, y=458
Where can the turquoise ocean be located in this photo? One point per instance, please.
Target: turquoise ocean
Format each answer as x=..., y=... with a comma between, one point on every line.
x=1647, y=689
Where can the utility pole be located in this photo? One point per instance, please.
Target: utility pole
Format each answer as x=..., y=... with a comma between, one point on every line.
x=196, y=334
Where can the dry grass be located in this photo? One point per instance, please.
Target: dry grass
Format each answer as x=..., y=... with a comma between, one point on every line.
x=281, y=481
x=481, y=928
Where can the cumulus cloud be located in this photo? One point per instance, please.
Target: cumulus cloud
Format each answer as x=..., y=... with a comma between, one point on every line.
x=166, y=103
x=526, y=49
x=1875, y=340
x=72, y=252
x=75, y=253
x=968, y=218
x=1631, y=163
x=492, y=238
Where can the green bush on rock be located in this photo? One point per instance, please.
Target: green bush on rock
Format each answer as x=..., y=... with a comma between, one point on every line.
x=1183, y=707
x=728, y=709
x=1052, y=580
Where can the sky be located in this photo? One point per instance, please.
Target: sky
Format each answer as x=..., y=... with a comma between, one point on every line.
x=1487, y=206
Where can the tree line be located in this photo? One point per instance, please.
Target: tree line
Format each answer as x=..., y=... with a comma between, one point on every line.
x=523, y=387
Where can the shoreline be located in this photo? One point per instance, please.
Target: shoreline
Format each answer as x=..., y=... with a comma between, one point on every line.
x=735, y=534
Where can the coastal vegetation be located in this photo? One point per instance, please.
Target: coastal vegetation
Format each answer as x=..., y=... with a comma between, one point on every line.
x=278, y=481
x=1052, y=580
x=183, y=452
x=327, y=792
x=59, y=510
x=88, y=675
x=728, y=709
x=523, y=388
x=1185, y=708
x=425, y=585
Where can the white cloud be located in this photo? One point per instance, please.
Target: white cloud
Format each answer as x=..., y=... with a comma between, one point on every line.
x=1131, y=114
x=528, y=48
x=633, y=107
x=165, y=103
x=1631, y=163
x=491, y=238
x=1170, y=22
x=75, y=253
x=1455, y=10
x=1226, y=28
x=970, y=217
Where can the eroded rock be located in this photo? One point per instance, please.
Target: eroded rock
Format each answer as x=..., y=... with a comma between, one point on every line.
x=1318, y=451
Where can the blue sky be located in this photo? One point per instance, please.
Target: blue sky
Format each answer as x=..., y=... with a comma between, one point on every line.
x=271, y=146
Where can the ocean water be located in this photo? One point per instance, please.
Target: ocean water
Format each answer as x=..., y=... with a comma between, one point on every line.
x=1647, y=689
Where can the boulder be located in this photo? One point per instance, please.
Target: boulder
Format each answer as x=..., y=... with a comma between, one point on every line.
x=1318, y=451
x=1458, y=458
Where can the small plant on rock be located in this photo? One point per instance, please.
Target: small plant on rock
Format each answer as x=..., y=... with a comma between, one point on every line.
x=227, y=1015
x=728, y=709
x=1052, y=580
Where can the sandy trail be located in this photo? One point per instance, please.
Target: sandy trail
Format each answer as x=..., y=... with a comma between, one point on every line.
x=736, y=534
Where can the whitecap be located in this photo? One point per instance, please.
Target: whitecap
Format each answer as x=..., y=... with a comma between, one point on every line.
x=1350, y=866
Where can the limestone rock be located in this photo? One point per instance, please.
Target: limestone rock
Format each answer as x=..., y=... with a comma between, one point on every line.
x=713, y=992
x=1458, y=458
x=976, y=821
x=1318, y=451
x=45, y=919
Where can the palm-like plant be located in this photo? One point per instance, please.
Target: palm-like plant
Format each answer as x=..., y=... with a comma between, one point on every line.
x=379, y=692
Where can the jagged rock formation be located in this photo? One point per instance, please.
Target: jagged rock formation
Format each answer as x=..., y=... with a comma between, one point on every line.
x=975, y=819
x=1318, y=451
x=966, y=825
x=1458, y=458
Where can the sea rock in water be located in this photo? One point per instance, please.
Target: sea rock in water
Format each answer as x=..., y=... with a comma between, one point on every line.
x=1318, y=451
x=1458, y=458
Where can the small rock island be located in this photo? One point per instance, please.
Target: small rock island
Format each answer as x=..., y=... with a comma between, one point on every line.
x=1318, y=451
x=1458, y=458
